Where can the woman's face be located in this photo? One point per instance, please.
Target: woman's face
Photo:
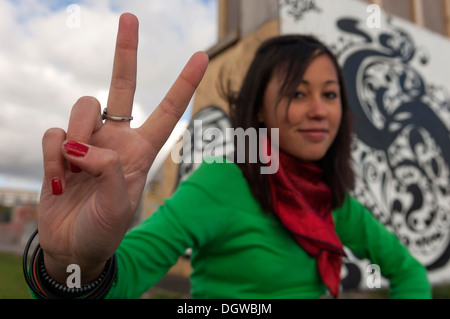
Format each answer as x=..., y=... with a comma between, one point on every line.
x=314, y=114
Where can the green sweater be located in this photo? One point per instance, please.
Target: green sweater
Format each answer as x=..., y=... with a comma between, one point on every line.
x=239, y=251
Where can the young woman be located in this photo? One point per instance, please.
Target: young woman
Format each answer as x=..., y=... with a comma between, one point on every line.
x=252, y=235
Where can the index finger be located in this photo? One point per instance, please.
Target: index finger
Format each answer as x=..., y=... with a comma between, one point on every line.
x=123, y=80
x=161, y=122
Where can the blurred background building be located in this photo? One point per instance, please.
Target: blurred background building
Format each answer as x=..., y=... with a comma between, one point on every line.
x=394, y=54
x=18, y=217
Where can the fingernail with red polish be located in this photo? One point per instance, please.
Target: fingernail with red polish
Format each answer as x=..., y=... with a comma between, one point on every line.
x=74, y=168
x=56, y=186
x=76, y=149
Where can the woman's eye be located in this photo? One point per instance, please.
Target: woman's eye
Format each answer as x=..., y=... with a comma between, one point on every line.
x=331, y=95
x=299, y=95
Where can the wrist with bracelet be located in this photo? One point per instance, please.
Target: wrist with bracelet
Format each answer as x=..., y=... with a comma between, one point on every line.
x=46, y=287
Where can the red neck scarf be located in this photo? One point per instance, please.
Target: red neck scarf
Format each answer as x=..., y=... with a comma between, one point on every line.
x=302, y=201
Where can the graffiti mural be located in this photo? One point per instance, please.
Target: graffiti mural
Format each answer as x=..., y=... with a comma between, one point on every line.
x=401, y=115
x=195, y=140
x=402, y=144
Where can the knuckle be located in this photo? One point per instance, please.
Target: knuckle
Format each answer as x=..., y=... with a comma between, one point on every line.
x=111, y=159
x=127, y=44
x=53, y=134
x=123, y=83
x=169, y=107
x=85, y=103
x=190, y=84
x=87, y=100
x=52, y=164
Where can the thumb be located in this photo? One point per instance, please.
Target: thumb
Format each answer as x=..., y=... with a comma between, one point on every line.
x=102, y=164
x=93, y=160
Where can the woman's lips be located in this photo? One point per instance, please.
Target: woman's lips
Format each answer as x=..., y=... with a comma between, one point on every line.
x=314, y=134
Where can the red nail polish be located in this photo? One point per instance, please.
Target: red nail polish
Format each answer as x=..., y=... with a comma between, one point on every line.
x=74, y=168
x=56, y=186
x=76, y=149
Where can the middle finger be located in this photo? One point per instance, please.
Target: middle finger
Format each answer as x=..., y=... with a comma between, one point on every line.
x=123, y=81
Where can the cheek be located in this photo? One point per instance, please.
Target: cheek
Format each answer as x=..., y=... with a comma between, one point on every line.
x=274, y=118
x=335, y=119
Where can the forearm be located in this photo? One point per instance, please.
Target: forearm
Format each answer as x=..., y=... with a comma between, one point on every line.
x=412, y=283
x=146, y=254
x=368, y=238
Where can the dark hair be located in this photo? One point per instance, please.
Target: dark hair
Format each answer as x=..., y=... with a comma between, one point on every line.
x=292, y=53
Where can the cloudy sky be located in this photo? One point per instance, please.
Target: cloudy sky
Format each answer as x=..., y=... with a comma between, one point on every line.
x=52, y=52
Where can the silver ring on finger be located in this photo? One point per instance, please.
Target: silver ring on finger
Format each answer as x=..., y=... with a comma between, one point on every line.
x=106, y=116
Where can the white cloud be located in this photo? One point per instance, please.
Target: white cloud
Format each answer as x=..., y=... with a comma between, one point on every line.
x=47, y=65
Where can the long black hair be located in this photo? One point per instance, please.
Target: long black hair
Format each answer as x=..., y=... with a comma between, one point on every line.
x=292, y=54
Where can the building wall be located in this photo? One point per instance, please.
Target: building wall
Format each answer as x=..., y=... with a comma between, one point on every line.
x=12, y=197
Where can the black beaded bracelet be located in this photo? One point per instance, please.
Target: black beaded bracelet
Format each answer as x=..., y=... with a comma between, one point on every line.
x=46, y=287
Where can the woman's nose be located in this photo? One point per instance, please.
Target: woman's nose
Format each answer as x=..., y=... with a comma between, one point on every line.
x=317, y=107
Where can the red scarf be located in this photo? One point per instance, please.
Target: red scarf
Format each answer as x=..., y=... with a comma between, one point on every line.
x=302, y=201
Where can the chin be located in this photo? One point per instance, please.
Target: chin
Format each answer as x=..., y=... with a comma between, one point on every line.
x=308, y=156
x=305, y=153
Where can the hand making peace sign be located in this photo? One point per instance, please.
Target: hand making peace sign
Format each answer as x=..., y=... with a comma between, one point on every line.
x=96, y=171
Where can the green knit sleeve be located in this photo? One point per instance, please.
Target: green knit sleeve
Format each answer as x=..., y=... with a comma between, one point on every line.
x=191, y=218
x=368, y=238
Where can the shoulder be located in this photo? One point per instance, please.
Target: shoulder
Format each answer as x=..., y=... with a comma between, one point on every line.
x=352, y=212
x=355, y=224
x=215, y=169
x=221, y=179
x=350, y=203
